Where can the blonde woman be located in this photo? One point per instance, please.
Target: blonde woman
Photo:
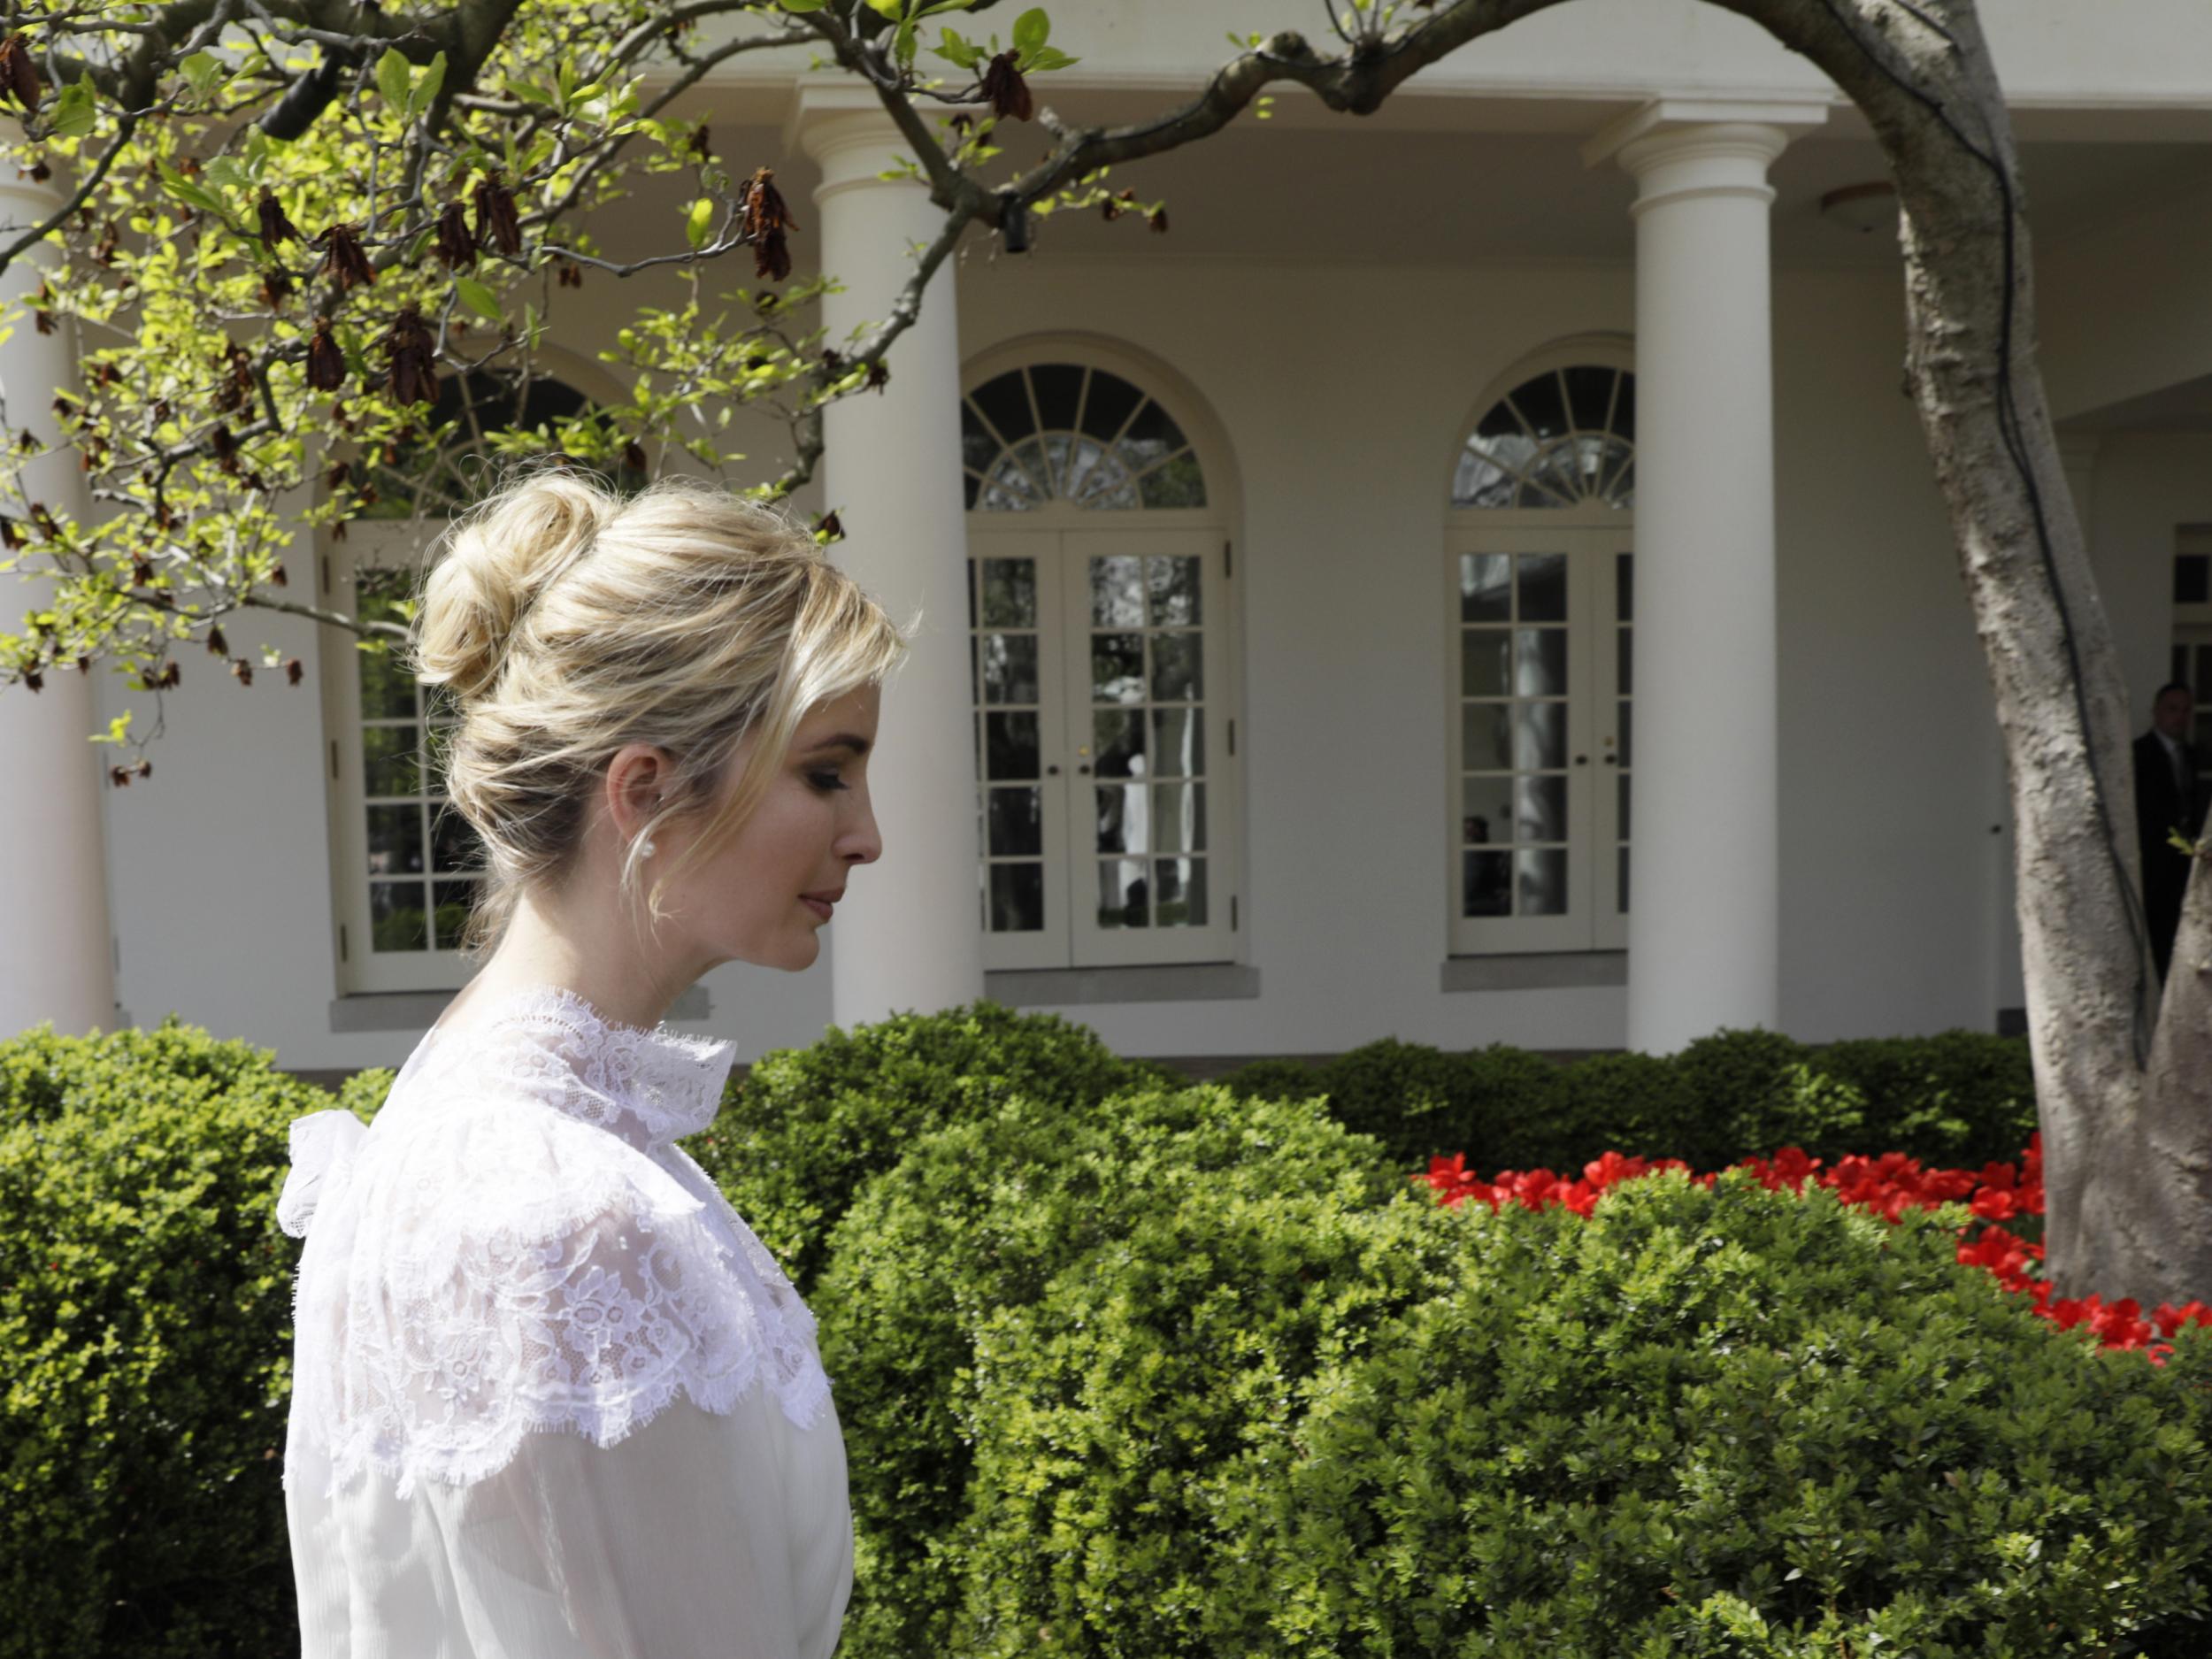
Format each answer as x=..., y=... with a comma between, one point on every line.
x=551, y=1397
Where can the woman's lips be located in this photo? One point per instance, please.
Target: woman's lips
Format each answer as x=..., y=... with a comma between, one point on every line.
x=820, y=907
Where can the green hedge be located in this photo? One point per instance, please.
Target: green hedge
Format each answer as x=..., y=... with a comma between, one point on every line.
x=1128, y=1367
x=145, y=1306
x=1958, y=1099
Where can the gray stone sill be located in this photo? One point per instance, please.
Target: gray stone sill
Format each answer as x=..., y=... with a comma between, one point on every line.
x=417, y=1011
x=1546, y=971
x=1169, y=982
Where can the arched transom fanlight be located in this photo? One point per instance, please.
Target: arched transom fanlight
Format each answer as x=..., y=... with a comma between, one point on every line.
x=1067, y=432
x=1564, y=438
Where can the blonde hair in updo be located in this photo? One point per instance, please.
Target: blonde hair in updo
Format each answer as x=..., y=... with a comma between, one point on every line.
x=568, y=621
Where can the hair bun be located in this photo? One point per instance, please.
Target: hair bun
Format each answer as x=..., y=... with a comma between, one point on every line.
x=495, y=562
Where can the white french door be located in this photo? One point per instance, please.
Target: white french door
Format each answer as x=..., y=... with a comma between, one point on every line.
x=1540, y=736
x=1103, y=746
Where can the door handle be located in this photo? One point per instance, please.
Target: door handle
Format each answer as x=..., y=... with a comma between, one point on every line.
x=1082, y=772
x=1052, y=772
x=1582, y=760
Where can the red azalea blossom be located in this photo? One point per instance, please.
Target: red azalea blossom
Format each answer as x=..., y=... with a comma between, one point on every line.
x=1887, y=1186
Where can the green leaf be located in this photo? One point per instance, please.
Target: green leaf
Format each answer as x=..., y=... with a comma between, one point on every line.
x=944, y=6
x=426, y=92
x=699, y=222
x=393, y=76
x=902, y=44
x=1049, y=57
x=75, y=110
x=1030, y=31
x=804, y=5
x=204, y=71
x=228, y=173
x=187, y=192
x=479, y=297
x=891, y=9
x=958, y=51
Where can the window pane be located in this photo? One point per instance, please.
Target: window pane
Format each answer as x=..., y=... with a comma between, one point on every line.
x=1627, y=710
x=388, y=760
x=1108, y=404
x=978, y=448
x=1540, y=736
x=1117, y=668
x=453, y=841
x=1117, y=742
x=1541, y=809
x=1017, y=823
x=1542, y=880
x=2192, y=579
x=1172, y=584
x=1625, y=799
x=1486, y=656
x=1151, y=438
x=387, y=690
x=1010, y=668
x=1124, y=894
x=1624, y=881
x=1179, y=747
x=395, y=840
x=1590, y=396
x=1010, y=593
x=1117, y=593
x=1543, y=584
x=1005, y=404
x=1624, y=650
x=1176, y=483
x=1010, y=741
x=1182, y=891
x=1486, y=743
x=1540, y=656
x=456, y=899
x=1541, y=404
x=1058, y=387
x=1178, y=818
x=1478, y=481
x=1017, y=898
x=1123, y=820
x=1625, y=587
x=1484, y=594
x=1488, y=814
x=1178, y=673
x=1488, y=878
x=396, y=920
x=1625, y=408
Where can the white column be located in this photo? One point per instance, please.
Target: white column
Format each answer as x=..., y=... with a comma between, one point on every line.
x=58, y=963
x=1703, y=933
x=909, y=935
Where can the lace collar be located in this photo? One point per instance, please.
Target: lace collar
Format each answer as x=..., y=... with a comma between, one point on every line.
x=650, y=1088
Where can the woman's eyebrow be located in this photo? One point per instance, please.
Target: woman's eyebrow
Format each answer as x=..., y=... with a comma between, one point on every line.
x=843, y=740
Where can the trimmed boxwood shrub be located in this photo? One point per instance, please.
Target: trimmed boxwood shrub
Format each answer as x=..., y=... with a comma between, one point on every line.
x=810, y=1125
x=145, y=1307
x=1958, y=1098
x=989, y=1215
x=1702, y=1423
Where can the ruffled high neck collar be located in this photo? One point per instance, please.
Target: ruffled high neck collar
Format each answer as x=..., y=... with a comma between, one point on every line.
x=649, y=1086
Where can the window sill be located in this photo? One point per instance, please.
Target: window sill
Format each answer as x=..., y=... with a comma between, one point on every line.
x=1548, y=971
x=1169, y=982
x=417, y=1011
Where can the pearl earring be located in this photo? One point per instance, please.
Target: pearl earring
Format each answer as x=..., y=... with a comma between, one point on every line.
x=645, y=847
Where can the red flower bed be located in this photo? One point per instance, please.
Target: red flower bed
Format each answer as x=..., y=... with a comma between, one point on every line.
x=1887, y=1186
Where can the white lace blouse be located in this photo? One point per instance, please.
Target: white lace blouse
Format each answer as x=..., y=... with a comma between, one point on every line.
x=551, y=1397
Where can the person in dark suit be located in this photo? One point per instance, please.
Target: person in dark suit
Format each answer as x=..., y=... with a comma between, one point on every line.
x=2166, y=801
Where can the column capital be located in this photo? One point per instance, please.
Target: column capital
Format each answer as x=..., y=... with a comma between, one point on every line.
x=1753, y=128
x=845, y=129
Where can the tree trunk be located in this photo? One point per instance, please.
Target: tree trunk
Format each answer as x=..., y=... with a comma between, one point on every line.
x=2126, y=1112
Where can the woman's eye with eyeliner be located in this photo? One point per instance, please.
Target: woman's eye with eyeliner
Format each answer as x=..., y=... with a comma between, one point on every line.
x=826, y=781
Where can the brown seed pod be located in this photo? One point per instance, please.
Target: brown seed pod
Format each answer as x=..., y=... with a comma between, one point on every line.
x=344, y=262
x=497, y=224
x=325, y=363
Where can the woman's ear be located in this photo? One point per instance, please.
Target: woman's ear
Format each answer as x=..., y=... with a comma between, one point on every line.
x=637, y=785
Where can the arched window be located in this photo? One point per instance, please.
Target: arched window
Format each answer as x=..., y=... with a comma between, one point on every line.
x=1540, y=565
x=1564, y=438
x=407, y=864
x=1072, y=432
x=1099, y=611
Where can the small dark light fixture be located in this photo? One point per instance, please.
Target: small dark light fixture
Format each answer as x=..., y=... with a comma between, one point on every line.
x=1863, y=208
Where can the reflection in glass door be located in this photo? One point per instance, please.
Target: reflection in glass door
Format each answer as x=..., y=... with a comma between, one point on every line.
x=1540, y=732
x=1101, y=736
